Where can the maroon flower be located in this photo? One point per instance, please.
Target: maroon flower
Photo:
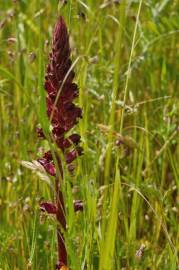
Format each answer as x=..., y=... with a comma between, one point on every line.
x=73, y=154
x=78, y=205
x=40, y=133
x=48, y=207
x=47, y=162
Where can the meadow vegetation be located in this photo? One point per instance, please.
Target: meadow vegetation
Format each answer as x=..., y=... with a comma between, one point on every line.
x=126, y=60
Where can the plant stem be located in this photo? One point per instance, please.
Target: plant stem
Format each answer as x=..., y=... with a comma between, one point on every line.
x=61, y=219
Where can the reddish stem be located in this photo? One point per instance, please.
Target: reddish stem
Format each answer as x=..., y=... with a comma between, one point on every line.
x=62, y=253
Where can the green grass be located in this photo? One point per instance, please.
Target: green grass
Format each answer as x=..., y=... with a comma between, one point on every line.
x=127, y=64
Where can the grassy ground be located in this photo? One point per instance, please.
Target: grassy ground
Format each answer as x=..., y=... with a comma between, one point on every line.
x=127, y=70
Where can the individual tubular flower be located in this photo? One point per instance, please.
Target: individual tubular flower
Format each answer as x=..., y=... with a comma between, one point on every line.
x=63, y=114
x=47, y=162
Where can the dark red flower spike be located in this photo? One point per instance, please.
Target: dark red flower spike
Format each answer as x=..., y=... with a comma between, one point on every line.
x=63, y=115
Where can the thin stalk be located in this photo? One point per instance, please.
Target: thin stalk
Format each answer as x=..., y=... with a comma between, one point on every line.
x=62, y=253
x=117, y=58
x=129, y=66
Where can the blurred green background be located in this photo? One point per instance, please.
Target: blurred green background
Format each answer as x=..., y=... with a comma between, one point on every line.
x=127, y=68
